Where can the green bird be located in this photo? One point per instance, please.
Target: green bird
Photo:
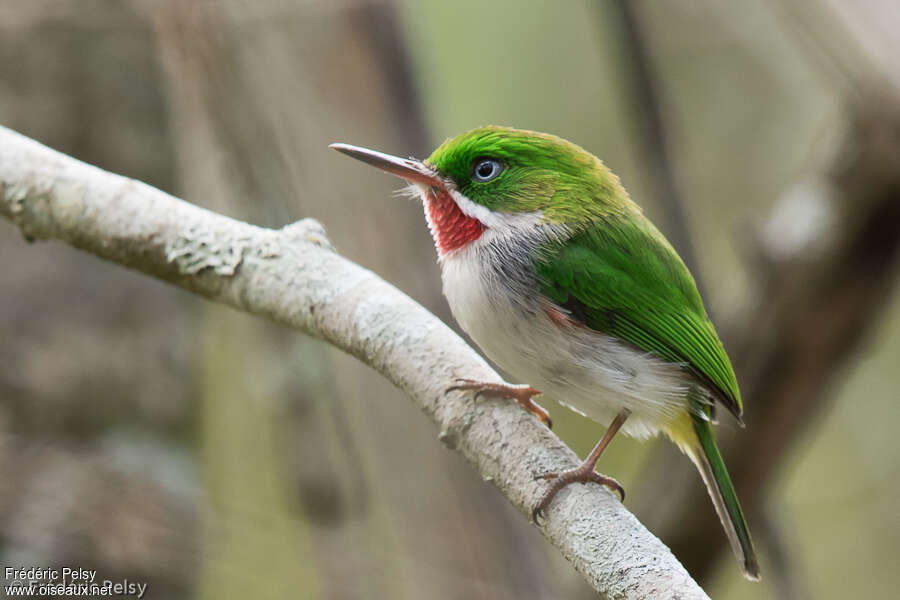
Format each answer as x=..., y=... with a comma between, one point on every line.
x=562, y=281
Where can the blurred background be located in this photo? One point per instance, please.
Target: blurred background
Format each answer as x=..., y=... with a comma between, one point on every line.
x=151, y=435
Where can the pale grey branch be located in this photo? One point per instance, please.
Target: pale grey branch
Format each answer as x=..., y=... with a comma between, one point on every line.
x=294, y=277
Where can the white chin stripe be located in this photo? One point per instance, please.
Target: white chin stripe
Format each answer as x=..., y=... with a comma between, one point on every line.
x=498, y=221
x=476, y=211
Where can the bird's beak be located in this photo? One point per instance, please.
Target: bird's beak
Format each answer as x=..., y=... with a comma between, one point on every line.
x=411, y=170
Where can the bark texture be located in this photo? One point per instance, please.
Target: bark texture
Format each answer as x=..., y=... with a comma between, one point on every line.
x=294, y=277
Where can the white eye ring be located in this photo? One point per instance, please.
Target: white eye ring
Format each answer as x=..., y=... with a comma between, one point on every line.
x=486, y=169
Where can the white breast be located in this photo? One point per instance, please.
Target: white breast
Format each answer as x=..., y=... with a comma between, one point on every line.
x=587, y=371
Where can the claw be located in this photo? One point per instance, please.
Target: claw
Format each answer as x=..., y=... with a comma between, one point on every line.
x=579, y=475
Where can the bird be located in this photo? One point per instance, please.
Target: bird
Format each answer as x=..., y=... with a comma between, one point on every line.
x=562, y=281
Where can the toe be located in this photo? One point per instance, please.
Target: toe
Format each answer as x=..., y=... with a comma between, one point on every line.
x=610, y=483
x=460, y=384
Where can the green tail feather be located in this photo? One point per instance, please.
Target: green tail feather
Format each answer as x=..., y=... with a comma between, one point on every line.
x=712, y=468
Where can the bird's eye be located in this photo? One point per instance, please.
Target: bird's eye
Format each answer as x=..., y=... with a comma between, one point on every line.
x=486, y=169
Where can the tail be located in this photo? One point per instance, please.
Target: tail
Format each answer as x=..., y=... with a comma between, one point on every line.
x=705, y=455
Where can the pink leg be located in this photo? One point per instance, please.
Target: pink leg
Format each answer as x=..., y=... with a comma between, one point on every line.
x=584, y=473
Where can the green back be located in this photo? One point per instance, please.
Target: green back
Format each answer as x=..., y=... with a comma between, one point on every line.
x=619, y=275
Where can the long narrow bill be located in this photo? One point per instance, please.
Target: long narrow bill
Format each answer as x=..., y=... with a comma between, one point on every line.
x=411, y=170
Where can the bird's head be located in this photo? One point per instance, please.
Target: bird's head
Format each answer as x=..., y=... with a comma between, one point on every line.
x=502, y=180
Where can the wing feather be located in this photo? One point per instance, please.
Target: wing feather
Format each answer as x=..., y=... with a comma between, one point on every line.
x=620, y=276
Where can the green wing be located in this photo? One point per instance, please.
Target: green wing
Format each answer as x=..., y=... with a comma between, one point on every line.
x=621, y=277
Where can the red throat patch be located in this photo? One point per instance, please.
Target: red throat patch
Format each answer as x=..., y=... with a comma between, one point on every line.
x=450, y=227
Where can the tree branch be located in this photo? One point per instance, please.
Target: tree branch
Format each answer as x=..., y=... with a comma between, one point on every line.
x=294, y=277
x=830, y=255
x=643, y=89
x=827, y=266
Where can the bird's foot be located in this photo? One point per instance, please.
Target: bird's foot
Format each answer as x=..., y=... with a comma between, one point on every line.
x=522, y=394
x=583, y=474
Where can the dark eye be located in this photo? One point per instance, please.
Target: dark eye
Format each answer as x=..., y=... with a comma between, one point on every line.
x=486, y=169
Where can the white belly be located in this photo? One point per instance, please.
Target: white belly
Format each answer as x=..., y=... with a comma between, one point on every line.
x=590, y=372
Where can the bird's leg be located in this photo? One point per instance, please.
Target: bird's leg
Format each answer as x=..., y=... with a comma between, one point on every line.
x=584, y=473
x=522, y=394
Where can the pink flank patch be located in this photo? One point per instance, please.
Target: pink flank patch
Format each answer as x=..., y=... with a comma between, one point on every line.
x=561, y=318
x=451, y=228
